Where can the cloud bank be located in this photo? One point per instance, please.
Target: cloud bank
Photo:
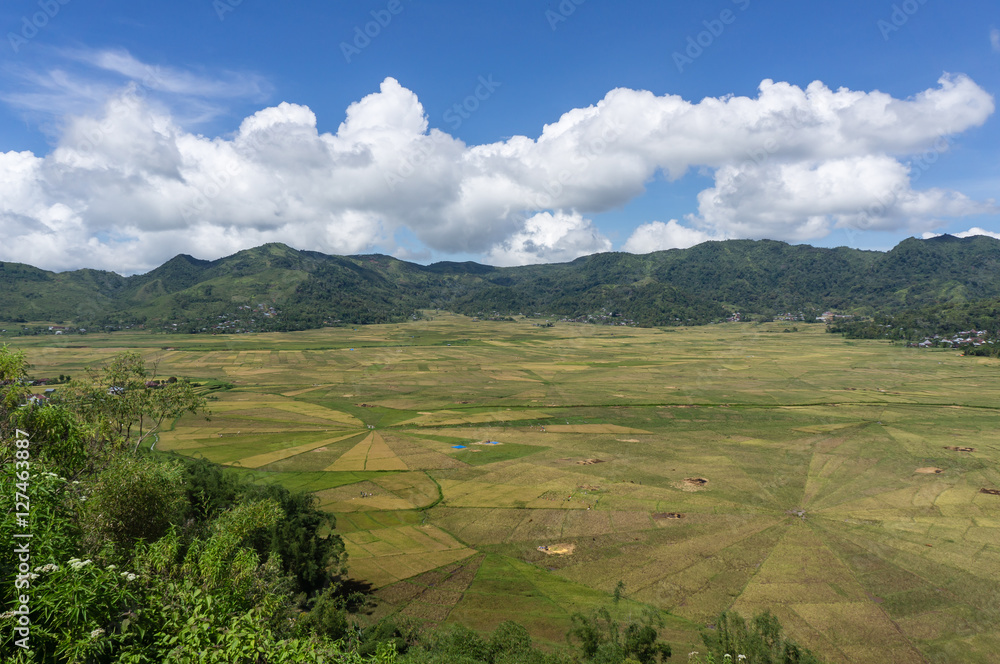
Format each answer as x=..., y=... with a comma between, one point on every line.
x=129, y=186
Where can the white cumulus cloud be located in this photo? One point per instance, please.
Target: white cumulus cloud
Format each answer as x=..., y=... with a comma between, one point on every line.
x=658, y=236
x=130, y=184
x=549, y=238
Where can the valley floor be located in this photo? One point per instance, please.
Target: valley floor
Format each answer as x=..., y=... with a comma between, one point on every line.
x=481, y=471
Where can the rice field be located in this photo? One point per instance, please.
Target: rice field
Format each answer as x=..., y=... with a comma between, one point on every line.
x=837, y=483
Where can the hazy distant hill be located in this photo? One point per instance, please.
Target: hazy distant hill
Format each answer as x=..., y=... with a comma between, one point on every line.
x=697, y=285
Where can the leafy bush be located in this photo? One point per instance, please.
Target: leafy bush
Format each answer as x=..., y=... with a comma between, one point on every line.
x=760, y=641
x=134, y=499
x=605, y=640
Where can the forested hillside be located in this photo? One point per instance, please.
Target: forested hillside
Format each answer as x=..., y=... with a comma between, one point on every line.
x=699, y=285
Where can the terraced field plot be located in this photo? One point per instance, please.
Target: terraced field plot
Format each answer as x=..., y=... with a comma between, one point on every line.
x=802, y=473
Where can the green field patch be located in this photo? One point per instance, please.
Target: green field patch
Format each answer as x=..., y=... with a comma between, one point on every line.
x=309, y=481
x=399, y=491
x=828, y=428
x=388, y=555
x=480, y=455
x=303, y=446
x=544, y=602
x=228, y=448
x=317, y=459
x=428, y=597
x=365, y=521
x=447, y=440
x=452, y=418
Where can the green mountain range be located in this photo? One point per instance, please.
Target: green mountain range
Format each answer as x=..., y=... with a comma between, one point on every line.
x=708, y=282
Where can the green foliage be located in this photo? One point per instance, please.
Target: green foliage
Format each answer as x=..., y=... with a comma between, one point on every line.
x=58, y=437
x=199, y=600
x=509, y=643
x=312, y=558
x=13, y=372
x=119, y=402
x=606, y=640
x=916, y=324
x=760, y=641
x=133, y=499
x=327, y=616
x=73, y=602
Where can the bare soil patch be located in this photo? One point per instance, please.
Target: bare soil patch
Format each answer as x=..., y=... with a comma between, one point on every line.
x=589, y=462
x=628, y=440
x=692, y=484
x=663, y=516
x=929, y=471
x=954, y=448
x=558, y=549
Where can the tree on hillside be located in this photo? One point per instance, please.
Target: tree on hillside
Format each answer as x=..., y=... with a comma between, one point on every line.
x=126, y=403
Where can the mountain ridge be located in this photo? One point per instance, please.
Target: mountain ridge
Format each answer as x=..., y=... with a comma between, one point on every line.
x=699, y=284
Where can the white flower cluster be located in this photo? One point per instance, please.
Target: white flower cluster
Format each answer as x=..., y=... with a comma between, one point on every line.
x=129, y=576
x=76, y=563
x=47, y=568
x=97, y=633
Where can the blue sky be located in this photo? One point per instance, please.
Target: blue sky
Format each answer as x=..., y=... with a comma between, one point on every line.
x=125, y=139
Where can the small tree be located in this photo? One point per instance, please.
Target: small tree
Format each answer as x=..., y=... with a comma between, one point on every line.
x=604, y=639
x=759, y=640
x=118, y=399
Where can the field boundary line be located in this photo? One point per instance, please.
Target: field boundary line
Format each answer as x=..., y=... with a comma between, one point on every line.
x=714, y=553
x=854, y=576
